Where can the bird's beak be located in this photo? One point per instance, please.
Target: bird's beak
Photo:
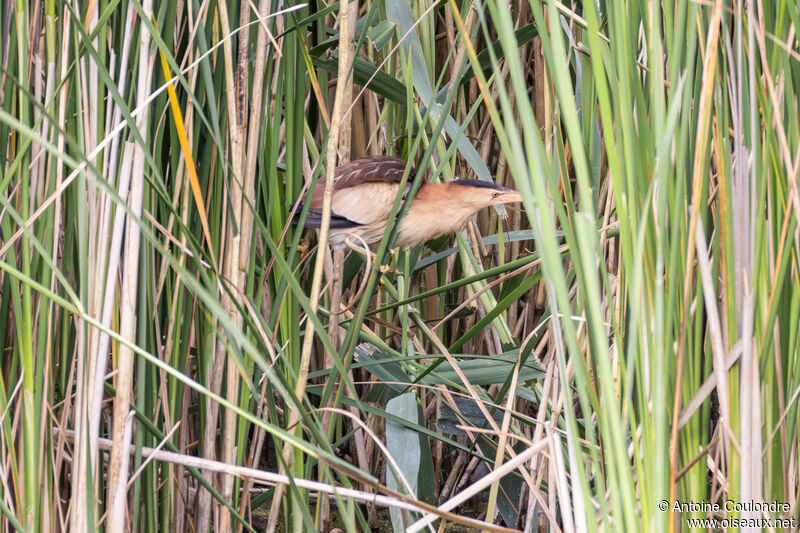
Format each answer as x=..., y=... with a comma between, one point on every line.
x=509, y=197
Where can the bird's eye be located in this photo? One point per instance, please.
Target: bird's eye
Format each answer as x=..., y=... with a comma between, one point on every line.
x=495, y=194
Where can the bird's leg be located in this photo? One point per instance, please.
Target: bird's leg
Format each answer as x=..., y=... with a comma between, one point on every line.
x=365, y=251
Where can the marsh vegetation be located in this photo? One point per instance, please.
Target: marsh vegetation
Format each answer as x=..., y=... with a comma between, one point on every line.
x=176, y=358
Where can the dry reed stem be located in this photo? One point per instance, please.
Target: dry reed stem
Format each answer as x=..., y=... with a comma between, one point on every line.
x=341, y=100
x=389, y=499
x=118, y=461
x=703, y=127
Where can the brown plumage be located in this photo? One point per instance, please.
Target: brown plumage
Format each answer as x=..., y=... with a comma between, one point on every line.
x=364, y=191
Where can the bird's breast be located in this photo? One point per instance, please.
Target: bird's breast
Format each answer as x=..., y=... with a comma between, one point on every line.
x=425, y=221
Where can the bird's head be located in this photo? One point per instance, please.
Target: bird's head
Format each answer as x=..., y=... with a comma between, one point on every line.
x=480, y=194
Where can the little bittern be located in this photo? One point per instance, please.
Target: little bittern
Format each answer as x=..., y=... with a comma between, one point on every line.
x=364, y=191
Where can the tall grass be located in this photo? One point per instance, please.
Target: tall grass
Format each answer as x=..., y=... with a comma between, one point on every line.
x=176, y=357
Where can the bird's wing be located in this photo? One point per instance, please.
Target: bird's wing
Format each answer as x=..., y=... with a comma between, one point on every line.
x=372, y=169
x=364, y=191
x=369, y=203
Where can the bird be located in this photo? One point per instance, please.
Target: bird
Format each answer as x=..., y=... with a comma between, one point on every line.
x=364, y=192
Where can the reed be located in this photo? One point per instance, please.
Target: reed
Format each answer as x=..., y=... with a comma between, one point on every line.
x=174, y=358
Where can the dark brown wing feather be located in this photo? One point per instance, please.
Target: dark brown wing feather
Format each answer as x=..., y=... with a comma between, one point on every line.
x=314, y=220
x=372, y=169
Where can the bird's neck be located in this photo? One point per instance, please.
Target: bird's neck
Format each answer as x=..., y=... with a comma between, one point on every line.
x=446, y=198
x=436, y=210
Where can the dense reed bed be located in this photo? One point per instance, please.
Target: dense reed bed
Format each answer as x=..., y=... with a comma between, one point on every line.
x=175, y=358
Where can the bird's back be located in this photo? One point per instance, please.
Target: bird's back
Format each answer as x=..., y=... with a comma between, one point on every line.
x=363, y=193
